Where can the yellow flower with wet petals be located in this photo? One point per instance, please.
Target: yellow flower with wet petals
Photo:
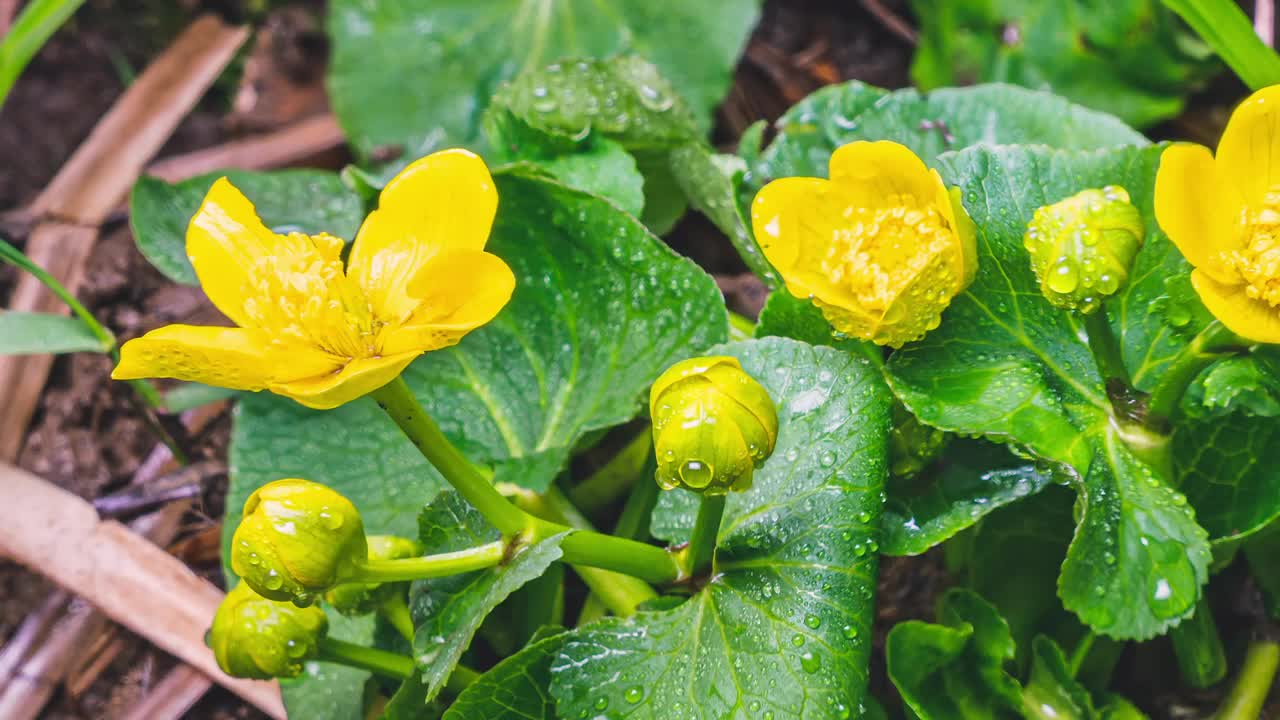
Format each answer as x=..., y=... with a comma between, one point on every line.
x=881, y=248
x=418, y=279
x=1223, y=213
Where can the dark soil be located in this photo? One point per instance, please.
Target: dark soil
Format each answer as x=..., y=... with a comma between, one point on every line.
x=88, y=437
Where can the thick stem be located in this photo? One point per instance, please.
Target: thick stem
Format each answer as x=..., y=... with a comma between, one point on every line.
x=398, y=401
x=614, y=478
x=1213, y=343
x=442, y=565
x=702, y=543
x=396, y=611
x=632, y=524
x=1081, y=652
x=1105, y=348
x=1198, y=648
x=1253, y=683
x=387, y=664
x=620, y=593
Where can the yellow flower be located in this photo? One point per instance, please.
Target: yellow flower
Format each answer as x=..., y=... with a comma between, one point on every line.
x=881, y=247
x=417, y=280
x=1223, y=213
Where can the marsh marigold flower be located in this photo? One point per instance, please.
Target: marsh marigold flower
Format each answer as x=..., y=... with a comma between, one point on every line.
x=1223, y=213
x=1082, y=247
x=417, y=280
x=712, y=424
x=881, y=248
x=297, y=539
x=254, y=637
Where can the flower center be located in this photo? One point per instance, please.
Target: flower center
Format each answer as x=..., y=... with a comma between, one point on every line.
x=881, y=252
x=301, y=293
x=1258, y=261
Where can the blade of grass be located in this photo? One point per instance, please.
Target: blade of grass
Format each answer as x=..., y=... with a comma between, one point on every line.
x=1225, y=27
x=38, y=21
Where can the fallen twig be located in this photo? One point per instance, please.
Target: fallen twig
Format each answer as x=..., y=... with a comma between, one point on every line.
x=289, y=145
x=1264, y=21
x=129, y=579
x=891, y=21
x=172, y=697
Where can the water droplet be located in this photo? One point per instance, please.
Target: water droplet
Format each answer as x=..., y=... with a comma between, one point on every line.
x=810, y=662
x=696, y=474
x=813, y=621
x=850, y=631
x=634, y=695
x=602, y=703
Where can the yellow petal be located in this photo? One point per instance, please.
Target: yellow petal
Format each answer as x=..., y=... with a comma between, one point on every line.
x=1251, y=319
x=795, y=220
x=952, y=209
x=225, y=238
x=1249, y=152
x=457, y=291
x=1195, y=207
x=443, y=201
x=872, y=170
x=224, y=357
x=360, y=377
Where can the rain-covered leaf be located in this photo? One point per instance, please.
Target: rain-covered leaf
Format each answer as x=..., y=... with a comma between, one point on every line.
x=955, y=670
x=309, y=201
x=447, y=611
x=784, y=625
x=1007, y=365
x=328, y=691
x=1249, y=384
x=418, y=76
x=971, y=479
x=518, y=688
x=1230, y=471
x=30, y=333
x=1051, y=692
x=601, y=308
x=712, y=182
x=1132, y=58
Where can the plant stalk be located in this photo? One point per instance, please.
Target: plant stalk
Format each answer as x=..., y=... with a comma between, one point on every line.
x=1198, y=648
x=431, y=566
x=386, y=664
x=1253, y=683
x=614, y=478
x=396, y=612
x=702, y=543
x=1105, y=348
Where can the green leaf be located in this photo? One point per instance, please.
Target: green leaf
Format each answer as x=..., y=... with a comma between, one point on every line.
x=1016, y=554
x=712, y=182
x=517, y=688
x=783, y=626
x=1249, y=384
x=1132, y=58
x=972, y=479
x=1051, y=692
x=1228, y=472
x=602, y=168
x=419, y=76
x=32, y=333
x=601, y=308
x=327, y=691
x=309, y=201
x=785, y=315
x=1009, y=366
x=1227, y=29
x=955, y=670
x=448, y=611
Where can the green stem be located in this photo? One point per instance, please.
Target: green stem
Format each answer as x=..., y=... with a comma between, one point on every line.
x=1105, y=348
x=387, y=664
x=614, y=478
x=620, y=593
x=431, y=566
x=396, y=611
x=1198, y=648
x=740, y=328
x=1080, y=652
x=398, y=401
x=1211, y=344
x=1253, y=683
x=702, y=543
x=633, y=524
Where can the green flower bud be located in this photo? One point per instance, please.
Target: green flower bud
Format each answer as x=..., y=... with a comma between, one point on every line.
x=297, y=539
x=712, y=425
x=253, y=637
x=913, y=446
x=362, y=598
x=1082, y=247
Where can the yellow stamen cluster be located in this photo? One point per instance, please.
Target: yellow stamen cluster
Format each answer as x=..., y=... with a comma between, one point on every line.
x=1258, y=260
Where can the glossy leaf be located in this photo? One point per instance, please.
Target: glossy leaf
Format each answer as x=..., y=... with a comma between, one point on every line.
x=954, y=670
x=971, y=480
x=517, y=688
x=1007, y=365
x=784, y=625
x=1228, y=471
x=418, y=76
x=310, y=201
x=32, y=333
x=1051, y=692
x=448, y=611
x=1132, y=58
x=1249, y=384
x=601, y=308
